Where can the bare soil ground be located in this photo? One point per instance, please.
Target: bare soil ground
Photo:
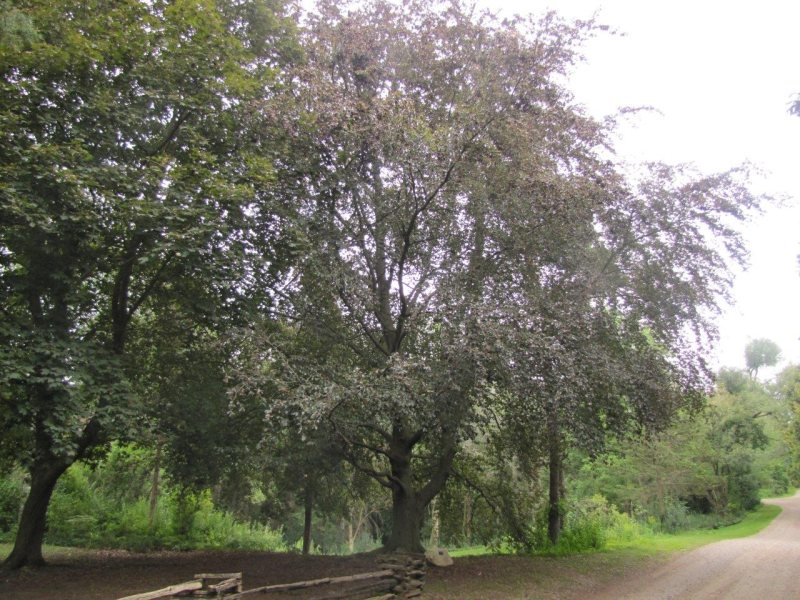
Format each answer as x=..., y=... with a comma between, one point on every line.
x=93, y=575
x=765, y=566
x=106, y=575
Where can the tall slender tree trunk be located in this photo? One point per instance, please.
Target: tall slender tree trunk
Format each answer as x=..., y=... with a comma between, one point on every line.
x=436, y=524
x=555, y=519
x=151, y=516
x=351, y=535
x=308, y=506
x=33, y=520
x=466, y=526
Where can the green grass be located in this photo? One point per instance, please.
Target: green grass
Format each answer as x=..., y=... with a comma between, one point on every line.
x=787, y=494
x=654, y=544
x=471, y=551
x=752, y=523
x=49, y=552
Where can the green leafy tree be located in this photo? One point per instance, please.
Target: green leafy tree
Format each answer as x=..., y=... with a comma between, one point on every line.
x=734, y=381
x=788, y=389
x=759, y=353
x=126, y=176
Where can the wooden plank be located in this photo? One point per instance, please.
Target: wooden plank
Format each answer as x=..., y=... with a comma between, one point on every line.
x=188, y=586
x=225, y=585
x=299, y=585
x=217, y=575
x=353, y=591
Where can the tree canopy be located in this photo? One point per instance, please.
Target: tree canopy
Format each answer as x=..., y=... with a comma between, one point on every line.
x=126, y=177
x=472, y=259
x=386, y=228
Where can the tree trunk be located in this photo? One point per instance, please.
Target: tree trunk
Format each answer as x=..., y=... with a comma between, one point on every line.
x=466, y=528
x=407, y=517
x=33, y=520
x=554, y=514
x=308, y=504
x=351, y=535
x=408, y=504
x=151, y=516
x=407, y=510
x=436, y=524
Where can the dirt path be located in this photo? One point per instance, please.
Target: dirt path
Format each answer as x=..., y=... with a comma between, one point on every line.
x=765, y=566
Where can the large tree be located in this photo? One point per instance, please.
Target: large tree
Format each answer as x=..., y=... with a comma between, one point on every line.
x=464, y=235
x=132, y=140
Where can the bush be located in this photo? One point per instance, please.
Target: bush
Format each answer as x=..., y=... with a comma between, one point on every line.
x=780, y=479
x=674, y=516
x=12, y=495
x=76, y=514
x=743, y=485
x=589, y=524
x=82, y=514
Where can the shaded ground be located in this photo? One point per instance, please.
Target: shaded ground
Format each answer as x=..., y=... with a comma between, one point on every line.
x=764, y=566
x=534, y=578
x=89, y=575
x=98, y=575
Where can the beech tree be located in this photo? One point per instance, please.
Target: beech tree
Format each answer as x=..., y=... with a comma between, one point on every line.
x=125, y=177
x=470, y=257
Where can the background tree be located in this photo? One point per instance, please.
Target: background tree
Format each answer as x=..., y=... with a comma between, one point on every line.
x=788, y=389
x=759, y=353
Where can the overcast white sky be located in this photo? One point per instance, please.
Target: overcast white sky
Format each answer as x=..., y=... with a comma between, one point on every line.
x=721, y=75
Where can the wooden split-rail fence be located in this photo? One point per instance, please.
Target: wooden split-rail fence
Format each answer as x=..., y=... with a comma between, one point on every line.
x=400, y=576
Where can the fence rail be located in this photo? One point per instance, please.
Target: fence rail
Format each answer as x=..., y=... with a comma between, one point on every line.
x=401, y=576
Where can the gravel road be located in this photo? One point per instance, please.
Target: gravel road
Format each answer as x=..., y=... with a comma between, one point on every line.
x=765, y=566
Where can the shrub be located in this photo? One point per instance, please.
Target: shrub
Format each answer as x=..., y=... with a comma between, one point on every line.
x=780, y=479
x=674, y=515
x=12, y=494
x=83, y=514
x=76, y=513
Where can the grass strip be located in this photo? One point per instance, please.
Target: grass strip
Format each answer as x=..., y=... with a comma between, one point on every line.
x=752, y=523
x=658, y=543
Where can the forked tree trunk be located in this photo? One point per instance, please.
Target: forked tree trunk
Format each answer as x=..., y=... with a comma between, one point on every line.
x=408, y=504
x=33, y=520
